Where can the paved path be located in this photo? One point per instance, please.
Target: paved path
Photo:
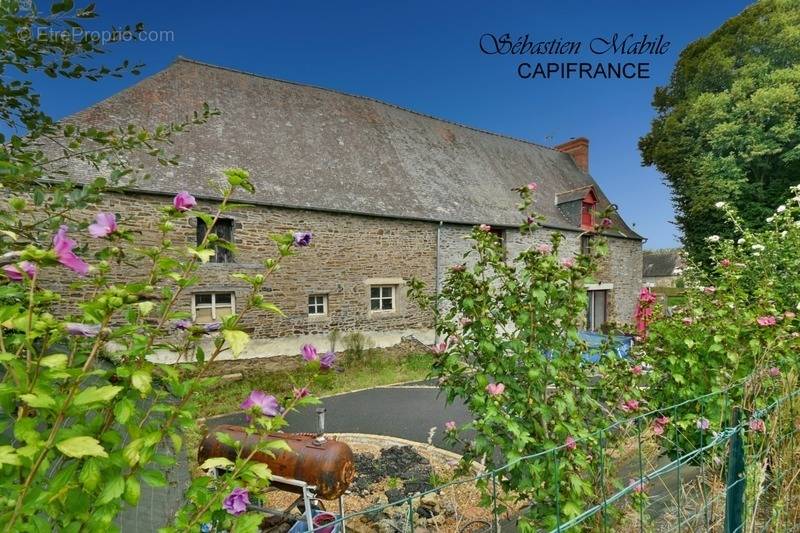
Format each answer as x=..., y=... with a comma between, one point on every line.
x=408, y=412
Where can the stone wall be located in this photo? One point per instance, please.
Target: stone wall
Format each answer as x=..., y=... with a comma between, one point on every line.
x=622, y=266
x=348, y=254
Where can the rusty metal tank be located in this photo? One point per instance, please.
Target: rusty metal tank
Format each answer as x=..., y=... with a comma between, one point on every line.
x=325, y=463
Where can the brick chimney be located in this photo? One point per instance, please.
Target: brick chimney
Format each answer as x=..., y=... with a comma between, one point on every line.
x=578, y=148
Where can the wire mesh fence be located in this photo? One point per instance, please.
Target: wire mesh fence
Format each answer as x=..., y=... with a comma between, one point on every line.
x=725, y=461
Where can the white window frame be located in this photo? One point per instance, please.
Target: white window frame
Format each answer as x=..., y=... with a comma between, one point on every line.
x=213, y=305
x=381, y=298
x=315, y=305
x=591, y=320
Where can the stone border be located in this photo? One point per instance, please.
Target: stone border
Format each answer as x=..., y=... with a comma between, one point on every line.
x=383, y=440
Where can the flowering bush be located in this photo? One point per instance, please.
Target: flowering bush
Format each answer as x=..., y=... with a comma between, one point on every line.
x=512, y=352
x=737, y=329
x=78, y=433
x=83, y=434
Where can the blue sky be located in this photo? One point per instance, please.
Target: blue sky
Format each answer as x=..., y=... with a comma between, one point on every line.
x=425, y=56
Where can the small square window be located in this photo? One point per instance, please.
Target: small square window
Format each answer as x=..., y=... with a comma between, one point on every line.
x=318, y=304
x=212, y=306
x=381, y=298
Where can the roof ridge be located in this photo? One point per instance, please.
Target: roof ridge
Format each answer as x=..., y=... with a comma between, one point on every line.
x=363, y=97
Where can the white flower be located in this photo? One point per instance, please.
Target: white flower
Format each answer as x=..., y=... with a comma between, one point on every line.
x=758, y=247
x=740, y=241
x=781, y=209
x=770, y=219
x=784, y=233
x=720, y=205
x=796, y=199
x=713, y=238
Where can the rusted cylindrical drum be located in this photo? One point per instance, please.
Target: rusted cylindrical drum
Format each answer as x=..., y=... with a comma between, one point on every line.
x=328, y=465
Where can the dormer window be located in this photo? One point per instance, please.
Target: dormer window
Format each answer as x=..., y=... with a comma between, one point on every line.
x=578, y=206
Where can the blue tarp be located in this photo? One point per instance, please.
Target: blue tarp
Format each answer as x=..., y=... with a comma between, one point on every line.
x=621, y=344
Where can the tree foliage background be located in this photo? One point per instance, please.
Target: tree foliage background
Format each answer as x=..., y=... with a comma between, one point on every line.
x=727, y=123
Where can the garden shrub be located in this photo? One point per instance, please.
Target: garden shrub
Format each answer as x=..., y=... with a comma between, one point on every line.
x=512, y=352
x=357, y=347
x=737, y=330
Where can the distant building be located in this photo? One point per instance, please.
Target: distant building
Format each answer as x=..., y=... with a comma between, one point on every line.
x=662, y=268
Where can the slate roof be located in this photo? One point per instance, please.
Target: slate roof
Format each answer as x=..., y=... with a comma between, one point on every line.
x=314, y=148
x=573, y=195
x=661, y=263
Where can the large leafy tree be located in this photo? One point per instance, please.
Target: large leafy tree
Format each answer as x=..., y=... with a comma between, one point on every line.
x=728, y=122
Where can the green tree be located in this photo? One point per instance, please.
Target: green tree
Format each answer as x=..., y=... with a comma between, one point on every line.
x=728, y=123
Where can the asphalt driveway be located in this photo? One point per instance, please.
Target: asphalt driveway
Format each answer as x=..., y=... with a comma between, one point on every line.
x=408, y=412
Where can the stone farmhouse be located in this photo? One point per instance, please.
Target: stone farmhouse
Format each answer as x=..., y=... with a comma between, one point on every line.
x=389, y=194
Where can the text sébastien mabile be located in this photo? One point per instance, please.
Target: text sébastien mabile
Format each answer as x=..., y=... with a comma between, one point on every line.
x=633, y=49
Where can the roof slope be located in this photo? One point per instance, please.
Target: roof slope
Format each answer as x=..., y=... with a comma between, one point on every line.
x=659, y=263
x=308, y=147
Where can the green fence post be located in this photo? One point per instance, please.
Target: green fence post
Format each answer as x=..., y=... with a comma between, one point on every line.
x=495, y=515
x=734, y=485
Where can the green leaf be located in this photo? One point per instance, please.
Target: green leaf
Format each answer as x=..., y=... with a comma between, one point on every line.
x=112, y=490
x=216, y=462
x=39, y=400
x=203, y=255
x=58, y=360
x=272, y=308
x=248, y=523
x=90, y=474
x=236, y=339
x=123, y=410
x=260, y=469
x=177, y=441
x=154, y=478
x=81, y=447
x=132, y=491
x=141, y=381
x=8, y=456
x=96, y=394
x=145, y=308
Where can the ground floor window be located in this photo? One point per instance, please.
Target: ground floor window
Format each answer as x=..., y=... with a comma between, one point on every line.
x=597, y=310
x=212, y=306
x=381, y=298
x=318, y=304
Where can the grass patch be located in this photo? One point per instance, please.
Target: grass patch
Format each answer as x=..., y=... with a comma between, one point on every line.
x=375, y=369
